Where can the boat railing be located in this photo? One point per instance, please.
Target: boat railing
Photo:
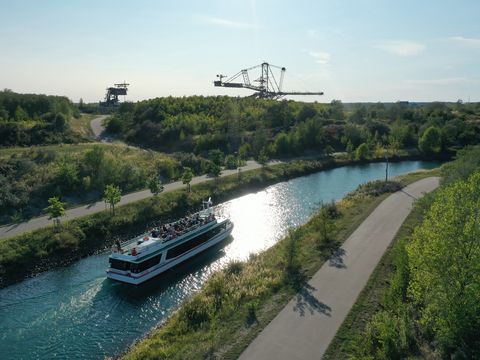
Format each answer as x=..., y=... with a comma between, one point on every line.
x=206, y=213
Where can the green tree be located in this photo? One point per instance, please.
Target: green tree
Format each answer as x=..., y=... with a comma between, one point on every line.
x=430, y=142
x=215, y=170
x=262, y=158
x=444, y=258
x=55, y=210
x=93, y=161
x=361, y=152
x=244, y=151
x=326, y=225
x=112, y=196
x=155, y=185
x=67, y=174
x=216, y=156
x=20, y=114
x=187, y=177
x=336, y=110
x=231, y=162
x=290, y=256
x=466, y=163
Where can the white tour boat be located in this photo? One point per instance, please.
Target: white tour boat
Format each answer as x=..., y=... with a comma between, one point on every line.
x=146, y=256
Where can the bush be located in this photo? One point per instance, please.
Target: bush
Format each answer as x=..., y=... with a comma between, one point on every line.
x=231, y=162
x=234, y=267
x=388, y=336
x=375, y=188
x=195, y=312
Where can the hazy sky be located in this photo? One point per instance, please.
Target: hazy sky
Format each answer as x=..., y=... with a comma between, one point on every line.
x=354, y=50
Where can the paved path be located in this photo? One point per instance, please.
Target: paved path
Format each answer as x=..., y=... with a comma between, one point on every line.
x=307, y=325
x=97, y=126
x=36, y=223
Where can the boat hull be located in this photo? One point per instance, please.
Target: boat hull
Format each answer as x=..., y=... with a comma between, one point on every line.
x=137, y=279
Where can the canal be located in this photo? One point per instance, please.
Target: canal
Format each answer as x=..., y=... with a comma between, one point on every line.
x=76, y=313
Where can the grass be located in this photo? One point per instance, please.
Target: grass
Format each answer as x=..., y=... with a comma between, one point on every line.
x=78, y=149
x=33, y=174
x=234, y=306
x=81, y=126
x=370, y=300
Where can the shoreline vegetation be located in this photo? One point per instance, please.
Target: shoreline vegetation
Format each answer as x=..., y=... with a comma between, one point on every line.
x=44, y=249
x=405, y=310
x=236, y=303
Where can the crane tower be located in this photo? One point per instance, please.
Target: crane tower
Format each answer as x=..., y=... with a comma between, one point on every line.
x=113, y=92
x=267, y=88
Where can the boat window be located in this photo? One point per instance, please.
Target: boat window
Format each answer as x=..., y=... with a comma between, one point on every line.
x=119, y=264
x=147, y=264
x=194, y=242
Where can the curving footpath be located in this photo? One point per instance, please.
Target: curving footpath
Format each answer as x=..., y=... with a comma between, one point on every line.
x=97, y=127
x=307, y=325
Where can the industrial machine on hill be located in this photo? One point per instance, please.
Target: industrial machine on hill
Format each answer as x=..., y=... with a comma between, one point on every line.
x=111, y=97
x=267, y=88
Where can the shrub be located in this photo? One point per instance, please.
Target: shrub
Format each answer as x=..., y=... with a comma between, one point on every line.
x=234, y=267
x=195, y=312
x=375, y=188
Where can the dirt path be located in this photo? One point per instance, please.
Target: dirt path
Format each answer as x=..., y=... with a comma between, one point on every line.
x=97, y=127
x=307, y=325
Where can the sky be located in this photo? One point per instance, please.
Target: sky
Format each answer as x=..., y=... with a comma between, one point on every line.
x=353, y=50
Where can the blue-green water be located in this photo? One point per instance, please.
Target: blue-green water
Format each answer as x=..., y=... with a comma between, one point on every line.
x=76, y=313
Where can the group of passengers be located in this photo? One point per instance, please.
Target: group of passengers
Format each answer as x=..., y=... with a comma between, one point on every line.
x=180, y=227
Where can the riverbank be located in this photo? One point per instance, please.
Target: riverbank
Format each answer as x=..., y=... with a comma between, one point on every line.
x=43, y=249
x=371, y=299
x=237, y=303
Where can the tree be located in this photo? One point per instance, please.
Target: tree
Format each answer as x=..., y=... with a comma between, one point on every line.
x=430, y=142
x=326, y=225
x=263, y=158
x=55, y=210
x=20, y=114
x=215, y=170
x=216, y=156
x=155, y=185
x=93, y=160
x=112, y=196
x=67, y=174
x=231, y=162
x=290, y=256
x=444, y=258
x=244, y=151
x=361, y=152
x=187, y=177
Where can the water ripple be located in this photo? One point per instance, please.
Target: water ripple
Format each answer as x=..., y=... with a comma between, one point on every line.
x=76, y=313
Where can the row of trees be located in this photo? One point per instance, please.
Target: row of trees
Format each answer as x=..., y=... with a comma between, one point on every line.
x=29, y=119
x=431, y=305
x=283, y=128
x=112, y=195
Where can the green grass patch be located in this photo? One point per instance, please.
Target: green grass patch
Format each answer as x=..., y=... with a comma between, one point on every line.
x=238, y=302
x=81, y=125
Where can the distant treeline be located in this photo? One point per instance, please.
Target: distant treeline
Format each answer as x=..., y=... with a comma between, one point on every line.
x=251, y=127
x=29, y=119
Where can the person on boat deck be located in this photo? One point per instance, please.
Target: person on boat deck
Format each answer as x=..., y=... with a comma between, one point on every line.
x=117, y=244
